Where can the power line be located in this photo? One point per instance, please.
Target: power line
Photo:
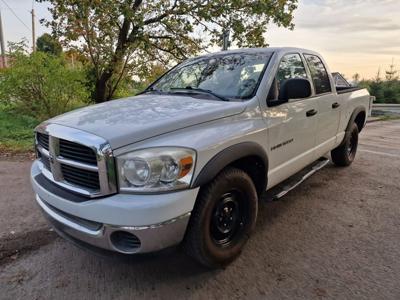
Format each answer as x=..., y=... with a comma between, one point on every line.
x=15, y=14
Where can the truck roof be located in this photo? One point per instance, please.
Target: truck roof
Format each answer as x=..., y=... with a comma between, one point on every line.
x=258, y=50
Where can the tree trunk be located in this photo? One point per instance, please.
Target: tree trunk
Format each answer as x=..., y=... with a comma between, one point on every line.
x=100, y=93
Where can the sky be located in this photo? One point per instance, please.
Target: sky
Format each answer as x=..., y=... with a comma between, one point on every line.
x=354, y=36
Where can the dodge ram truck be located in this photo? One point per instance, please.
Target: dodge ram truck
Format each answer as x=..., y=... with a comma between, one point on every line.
x=187, y=160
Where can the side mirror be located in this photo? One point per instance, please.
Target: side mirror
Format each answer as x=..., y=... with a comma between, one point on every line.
x=295, y=88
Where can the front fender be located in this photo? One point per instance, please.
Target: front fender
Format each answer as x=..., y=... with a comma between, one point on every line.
x=228, y=156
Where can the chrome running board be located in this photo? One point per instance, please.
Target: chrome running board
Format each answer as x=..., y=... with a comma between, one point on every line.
x=277, y=192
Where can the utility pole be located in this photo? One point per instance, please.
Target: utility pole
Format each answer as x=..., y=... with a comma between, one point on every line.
x=33, y=31
x=225, y=40
x=3, y=46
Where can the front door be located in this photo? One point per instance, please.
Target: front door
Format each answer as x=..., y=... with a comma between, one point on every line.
x=291, y=126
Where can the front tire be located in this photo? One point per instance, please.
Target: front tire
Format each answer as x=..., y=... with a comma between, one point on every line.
x=223, y=218
x=344, y=155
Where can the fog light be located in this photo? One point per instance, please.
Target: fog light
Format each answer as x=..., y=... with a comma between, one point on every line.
x=125, y=242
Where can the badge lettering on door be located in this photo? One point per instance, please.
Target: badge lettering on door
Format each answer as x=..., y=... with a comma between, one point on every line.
x=282, y=144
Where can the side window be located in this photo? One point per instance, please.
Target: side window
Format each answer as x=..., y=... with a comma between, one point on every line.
x=319, y=74
x=291, y=66
x=340, y=81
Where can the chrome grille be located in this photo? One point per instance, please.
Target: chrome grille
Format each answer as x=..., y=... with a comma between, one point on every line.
x=76, y=160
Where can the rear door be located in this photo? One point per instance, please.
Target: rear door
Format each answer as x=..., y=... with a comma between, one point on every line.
x=329, y=105
x=291, y=126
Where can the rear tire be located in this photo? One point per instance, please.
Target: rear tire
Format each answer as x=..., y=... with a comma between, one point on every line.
x=223, y=218
x=344, y=155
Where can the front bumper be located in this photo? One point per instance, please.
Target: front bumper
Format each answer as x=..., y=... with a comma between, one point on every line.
x=123, y=223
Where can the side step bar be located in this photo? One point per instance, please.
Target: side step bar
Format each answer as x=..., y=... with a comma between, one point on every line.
x=277, y=192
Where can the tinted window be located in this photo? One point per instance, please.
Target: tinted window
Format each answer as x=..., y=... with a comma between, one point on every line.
x=319, y=74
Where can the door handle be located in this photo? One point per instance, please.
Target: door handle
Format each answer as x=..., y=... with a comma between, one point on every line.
x=335, y=105
x=311, y=113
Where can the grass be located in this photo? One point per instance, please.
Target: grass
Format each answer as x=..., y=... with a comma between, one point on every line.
x=16, y=131
x=389, y=118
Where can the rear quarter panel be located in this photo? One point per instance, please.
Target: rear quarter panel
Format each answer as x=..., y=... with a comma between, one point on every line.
x=351, y=101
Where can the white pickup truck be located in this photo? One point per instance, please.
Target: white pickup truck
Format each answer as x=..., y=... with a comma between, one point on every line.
x=186, y=161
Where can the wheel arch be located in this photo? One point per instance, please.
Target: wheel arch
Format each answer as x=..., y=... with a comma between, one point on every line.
x=358, y=116
x=247, y=156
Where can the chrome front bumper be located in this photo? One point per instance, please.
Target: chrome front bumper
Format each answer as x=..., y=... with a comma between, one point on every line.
x=151, y=238
x=147, y=221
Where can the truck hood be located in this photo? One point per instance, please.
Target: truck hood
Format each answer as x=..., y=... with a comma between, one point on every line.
x=133, y=119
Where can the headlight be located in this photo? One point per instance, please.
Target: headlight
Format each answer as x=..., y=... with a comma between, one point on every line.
x=156, y=169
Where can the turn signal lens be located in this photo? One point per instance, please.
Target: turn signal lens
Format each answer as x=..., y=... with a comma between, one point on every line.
x=186, y=166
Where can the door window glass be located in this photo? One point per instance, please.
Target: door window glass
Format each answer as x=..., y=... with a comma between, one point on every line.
x=319, y=74
x=291, y=66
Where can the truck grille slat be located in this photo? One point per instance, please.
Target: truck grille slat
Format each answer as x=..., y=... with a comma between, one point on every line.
x=77, y=152
x=81, y=177
x=80, y=158
x=74, y=148
x=74, y=153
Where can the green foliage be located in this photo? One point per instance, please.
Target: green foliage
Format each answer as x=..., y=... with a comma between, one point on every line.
x=385, y=91
x=17, y=48
x=42, y=85
x=124, y=89
x=16, y=130
x=131, y=36
x=48, y=44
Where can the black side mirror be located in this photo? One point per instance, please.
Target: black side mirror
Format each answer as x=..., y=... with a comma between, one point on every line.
x=295, y=88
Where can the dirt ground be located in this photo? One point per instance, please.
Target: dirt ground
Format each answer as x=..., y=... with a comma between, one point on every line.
x=336, y=236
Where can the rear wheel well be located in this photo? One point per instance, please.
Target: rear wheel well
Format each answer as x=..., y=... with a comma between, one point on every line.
x=360, y=120
x=255, y=167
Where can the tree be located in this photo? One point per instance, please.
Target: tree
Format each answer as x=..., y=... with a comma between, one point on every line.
x=391, y=92
x=122, y=36
x=356, y=78
x=391, y=74
x=48, y=44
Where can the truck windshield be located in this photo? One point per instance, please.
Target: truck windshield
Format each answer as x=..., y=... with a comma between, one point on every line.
x=229, y=76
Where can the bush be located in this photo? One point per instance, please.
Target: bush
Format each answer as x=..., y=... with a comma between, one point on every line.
x=385, y=91
x=42, y=85
x=16, y=130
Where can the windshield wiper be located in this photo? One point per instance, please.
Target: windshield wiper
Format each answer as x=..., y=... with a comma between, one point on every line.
x=189, y=88
x=151, y=89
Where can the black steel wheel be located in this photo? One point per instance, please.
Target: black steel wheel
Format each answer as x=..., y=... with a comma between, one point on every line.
x=223, y=218
x=228, y=218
